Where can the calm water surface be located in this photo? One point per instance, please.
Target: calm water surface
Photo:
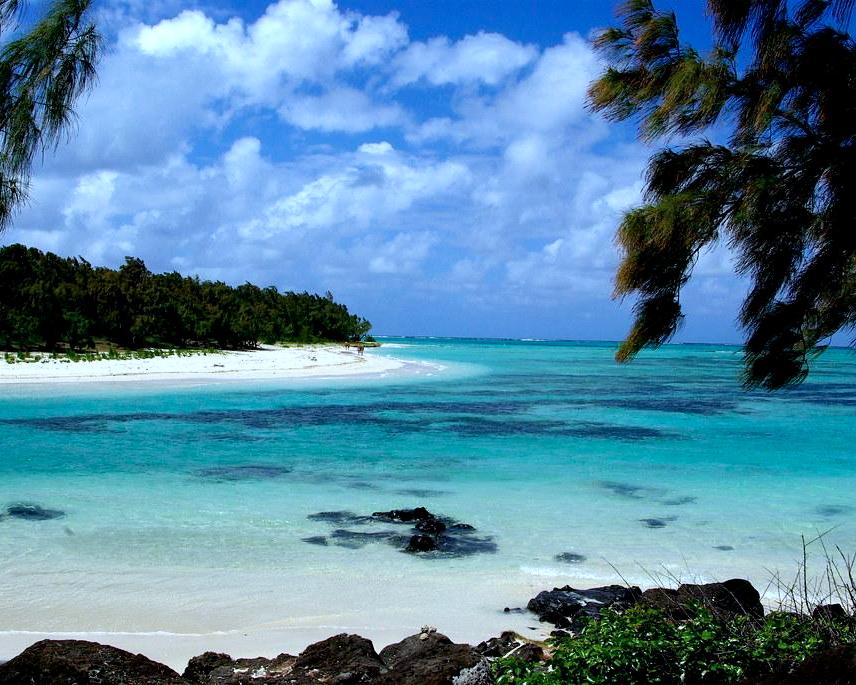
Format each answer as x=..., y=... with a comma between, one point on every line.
x=186, y=508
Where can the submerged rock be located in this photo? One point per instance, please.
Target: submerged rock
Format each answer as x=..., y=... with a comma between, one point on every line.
x=657, y=522
x=829, y=510
x=243, y=472
x=76, y=662
x=340, y=517
x=32, y=512
x=570, y=558
x=316, y=540
x=679, y=501
x=416, y=492
x=465, y=545
x=569, y=607
x=356, y=539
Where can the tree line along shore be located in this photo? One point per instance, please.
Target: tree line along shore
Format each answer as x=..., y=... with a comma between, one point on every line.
x=55, y=303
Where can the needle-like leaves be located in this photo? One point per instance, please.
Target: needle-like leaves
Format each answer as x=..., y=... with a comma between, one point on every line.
x=43, y=72
x=780, y=192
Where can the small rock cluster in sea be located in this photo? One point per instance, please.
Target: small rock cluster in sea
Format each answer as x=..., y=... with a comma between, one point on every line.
x=440, y=536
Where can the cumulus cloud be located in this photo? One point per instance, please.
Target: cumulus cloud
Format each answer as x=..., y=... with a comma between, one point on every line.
x=289, y=148
x=304, y=40
x=549, y=100
x=366, y=193
x=485, y=57
x=341, y=109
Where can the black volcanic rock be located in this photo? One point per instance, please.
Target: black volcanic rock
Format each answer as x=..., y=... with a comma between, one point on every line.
x=509, y=644
x=221, y=669
x=77, y=662
x=430, y=659
x=342, y=659
x=428, y=533
x=835, y=666
x=568, y=607
x=829, y=613
x=421, y=543
x=732, y=597
x=497, y=647
x=199, y=668
x=432, y=526
x=404, y=515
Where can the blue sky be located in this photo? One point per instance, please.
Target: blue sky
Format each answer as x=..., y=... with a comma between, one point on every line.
x=431, y=163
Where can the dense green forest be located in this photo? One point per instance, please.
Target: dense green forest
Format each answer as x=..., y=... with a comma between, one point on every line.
x=53, y=303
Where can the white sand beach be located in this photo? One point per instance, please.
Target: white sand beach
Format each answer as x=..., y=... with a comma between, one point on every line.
x=267, y=362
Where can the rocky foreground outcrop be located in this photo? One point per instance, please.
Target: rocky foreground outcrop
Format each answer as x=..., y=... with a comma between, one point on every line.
x=570, y=608
x=428, y=658
x=75, y=662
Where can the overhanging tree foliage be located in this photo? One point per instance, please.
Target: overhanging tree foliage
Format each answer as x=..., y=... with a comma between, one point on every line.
x=43, y=72
x=781, y=82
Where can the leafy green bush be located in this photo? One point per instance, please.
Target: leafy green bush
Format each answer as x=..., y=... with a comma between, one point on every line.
x=643, y=646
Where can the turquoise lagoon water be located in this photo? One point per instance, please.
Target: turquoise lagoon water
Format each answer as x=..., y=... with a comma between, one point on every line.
x=664, y=467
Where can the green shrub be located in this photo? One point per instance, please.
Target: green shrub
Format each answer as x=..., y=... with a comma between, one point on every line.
x=643, y=646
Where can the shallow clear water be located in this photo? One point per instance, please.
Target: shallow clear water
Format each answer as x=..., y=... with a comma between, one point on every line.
x=546, y=448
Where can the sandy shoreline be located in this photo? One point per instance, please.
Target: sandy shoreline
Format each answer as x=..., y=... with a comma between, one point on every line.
x=268, y=362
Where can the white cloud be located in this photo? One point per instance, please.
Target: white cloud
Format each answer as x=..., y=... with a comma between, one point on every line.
x=374, y=39
x=401, y=255
x=295, y=41
x=263, y=150
x=485, y=57
x=381, y=148
x=359, y=196
x=340, y=109
x=548, y=101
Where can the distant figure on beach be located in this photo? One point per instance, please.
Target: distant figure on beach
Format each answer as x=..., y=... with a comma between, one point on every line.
x=361, y=349
x=347, y=346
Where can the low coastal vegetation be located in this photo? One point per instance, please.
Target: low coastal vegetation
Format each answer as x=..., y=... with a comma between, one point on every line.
x=57, y=304
x=710, y=634
x=646, y=645
x=112, y=354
